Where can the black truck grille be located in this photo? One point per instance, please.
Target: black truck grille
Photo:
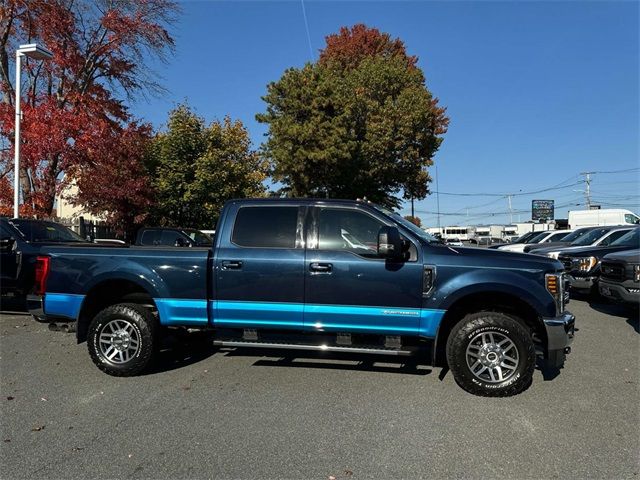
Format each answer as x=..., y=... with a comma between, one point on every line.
x=612, y=271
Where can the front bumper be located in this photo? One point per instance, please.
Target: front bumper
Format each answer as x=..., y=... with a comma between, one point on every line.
x=582, y=283
x=619, y=292
x=560, y=332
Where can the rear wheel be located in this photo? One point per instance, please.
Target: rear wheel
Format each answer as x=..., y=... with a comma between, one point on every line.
x=491, y=354
x=122, y=339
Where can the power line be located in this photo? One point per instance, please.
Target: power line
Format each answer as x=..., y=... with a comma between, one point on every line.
x=505, y=195
x=306, y=26
x=619, y=171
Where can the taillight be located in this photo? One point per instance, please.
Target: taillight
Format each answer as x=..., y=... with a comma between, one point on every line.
x=42, y=272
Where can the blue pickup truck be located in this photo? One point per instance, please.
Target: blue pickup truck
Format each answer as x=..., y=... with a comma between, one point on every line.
x=328, y=275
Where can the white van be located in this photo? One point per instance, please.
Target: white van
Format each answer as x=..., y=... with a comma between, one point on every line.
x=598, y=218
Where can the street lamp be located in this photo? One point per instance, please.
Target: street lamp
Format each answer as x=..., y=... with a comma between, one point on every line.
x=36, y=52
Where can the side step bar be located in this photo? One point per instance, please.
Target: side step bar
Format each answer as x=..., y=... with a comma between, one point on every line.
x=321, y=348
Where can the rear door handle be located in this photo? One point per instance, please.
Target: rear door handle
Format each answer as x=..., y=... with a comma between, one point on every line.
x=321, y=267
x=231, y=264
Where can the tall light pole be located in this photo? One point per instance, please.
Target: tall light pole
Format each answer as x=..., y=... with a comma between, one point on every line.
x=36, y=52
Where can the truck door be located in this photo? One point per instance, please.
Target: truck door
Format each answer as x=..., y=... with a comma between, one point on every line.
x=348, y=287
x=259, y=267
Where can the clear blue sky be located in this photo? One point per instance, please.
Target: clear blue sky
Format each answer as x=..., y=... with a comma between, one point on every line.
x=537, y=92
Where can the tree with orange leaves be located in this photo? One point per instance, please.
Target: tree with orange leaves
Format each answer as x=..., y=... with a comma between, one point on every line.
x=360, y=122
x=76, y=125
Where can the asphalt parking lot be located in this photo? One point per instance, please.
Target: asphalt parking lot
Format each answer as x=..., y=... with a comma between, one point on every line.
x=204, y=413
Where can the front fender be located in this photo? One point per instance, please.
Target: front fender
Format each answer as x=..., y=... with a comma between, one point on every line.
x=526, y=285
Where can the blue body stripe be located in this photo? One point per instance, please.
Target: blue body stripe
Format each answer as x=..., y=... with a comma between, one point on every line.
x=63, y=305
x=364, y=319
x=257, y=314
x=175, y=311
x=388, y=320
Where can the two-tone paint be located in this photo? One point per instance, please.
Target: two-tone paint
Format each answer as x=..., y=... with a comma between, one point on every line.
x=236, y=287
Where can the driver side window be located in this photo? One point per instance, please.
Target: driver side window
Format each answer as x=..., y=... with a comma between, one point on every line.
x=350, y=230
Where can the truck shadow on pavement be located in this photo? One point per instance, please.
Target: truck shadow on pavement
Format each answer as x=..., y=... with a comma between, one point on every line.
x=181, y=351
x=331, y=361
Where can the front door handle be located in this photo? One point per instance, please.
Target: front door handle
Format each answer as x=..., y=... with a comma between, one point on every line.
x=231, y=265
x=321, y=267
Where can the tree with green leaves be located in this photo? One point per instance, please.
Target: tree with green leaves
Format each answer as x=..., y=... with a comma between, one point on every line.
x=197, y=168
x=358, y=123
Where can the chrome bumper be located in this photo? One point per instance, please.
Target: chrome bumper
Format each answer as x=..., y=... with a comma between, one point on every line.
x=560, y=332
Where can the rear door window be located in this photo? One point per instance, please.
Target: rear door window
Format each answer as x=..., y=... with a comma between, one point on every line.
x=265, y=227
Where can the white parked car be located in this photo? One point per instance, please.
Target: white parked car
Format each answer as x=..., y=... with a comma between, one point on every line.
x=542, y=237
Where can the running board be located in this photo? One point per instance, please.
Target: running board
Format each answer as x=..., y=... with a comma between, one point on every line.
x=321, y=348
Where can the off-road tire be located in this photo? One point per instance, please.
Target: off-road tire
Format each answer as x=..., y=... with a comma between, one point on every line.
x=143, y=326
x=501, y=326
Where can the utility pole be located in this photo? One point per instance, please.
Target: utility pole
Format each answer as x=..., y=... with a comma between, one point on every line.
x=510, y=209
x=587, y=192
x=438, y=200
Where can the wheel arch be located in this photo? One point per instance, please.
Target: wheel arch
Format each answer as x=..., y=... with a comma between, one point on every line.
x=110, y=292
x=492, y=300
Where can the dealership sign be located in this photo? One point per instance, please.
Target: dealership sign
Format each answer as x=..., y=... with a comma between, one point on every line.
x=541, y=210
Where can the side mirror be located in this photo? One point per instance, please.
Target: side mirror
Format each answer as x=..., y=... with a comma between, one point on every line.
x=7, y=244
x=389, y=242
x=180, y=242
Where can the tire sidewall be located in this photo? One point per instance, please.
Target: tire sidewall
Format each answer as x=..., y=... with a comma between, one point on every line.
x=484, y=322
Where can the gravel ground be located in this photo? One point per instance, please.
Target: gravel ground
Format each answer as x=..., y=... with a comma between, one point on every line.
x=204, y=413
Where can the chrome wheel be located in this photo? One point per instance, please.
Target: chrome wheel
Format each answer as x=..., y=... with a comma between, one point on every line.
x=119, y=341
x=492, y=357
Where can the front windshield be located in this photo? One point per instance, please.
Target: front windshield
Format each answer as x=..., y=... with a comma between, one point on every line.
x=198, y=237
x=525, y=237
x=590, y=237
x=40, y=231
x=536, y=238
x=427, y=237
x=629, y=239
x=575, y=235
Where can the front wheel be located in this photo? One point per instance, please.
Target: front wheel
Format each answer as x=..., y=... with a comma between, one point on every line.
x=122, y=338
x=491, y=354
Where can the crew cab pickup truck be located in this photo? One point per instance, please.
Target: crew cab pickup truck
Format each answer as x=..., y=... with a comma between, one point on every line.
x=583, y=264
x=620, y=277
x=327, y=275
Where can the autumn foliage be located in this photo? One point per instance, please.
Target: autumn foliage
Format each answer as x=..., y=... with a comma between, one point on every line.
x=360, y=122
x=76, y=126
x=352, y=44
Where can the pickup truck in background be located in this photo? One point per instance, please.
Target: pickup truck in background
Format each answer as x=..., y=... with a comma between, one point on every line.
x=172, y=237
x=326, y=275
x=583, y=264
x=620, y=277
x=20, y=243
